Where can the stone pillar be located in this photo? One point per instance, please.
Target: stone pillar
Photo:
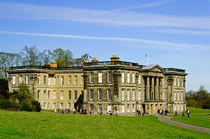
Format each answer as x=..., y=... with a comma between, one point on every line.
x=157, y=89
x=153, y=89
x=161, y=88
x=147, y=89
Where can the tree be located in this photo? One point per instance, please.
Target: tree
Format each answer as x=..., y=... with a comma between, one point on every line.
x=63, y=58
x=30, y=56
x=4, y=90
x=80, y=61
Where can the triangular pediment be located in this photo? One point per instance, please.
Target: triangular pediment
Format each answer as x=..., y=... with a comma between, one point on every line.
x=154, y=68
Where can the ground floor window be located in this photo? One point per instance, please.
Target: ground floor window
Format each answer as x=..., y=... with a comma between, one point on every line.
x=123, y=109
x=178, y=107
x=54, y=105
x=91, y=107
x=109, y=108
x=69, y=105
x=45, y=105
x=61, y=105
x=128, y=108
x=181, y=107
x=48, y=105
x=133, y=108
x=100, y=108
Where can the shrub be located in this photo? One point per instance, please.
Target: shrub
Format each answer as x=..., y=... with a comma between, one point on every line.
x=36, y=106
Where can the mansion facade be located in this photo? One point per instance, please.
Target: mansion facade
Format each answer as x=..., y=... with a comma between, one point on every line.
x=104, y=86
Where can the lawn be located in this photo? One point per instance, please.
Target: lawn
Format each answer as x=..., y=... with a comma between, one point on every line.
x=195, y=119
x=49, y=125
x=197, y=110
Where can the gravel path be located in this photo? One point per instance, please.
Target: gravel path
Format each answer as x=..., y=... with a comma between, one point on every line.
x=168, y=120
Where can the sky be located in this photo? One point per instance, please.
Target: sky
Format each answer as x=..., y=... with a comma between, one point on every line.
x=174, y=33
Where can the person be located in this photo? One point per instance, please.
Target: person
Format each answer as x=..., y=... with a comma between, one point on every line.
x=143, y=113
x=183, y=114
x=175, y=113
x=165, y=112
x=158, y=111
x=90, y=111
x=55, y=110
x=85, y=112
x=58, y=110
x=188, y=113
x=74, y=111
x=110, y=112
x=80, y=112
x=162, y=112
x=63, y=111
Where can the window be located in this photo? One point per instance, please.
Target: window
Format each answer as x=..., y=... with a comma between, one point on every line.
x=123, y=95
x=133, y=108
x=133, y=95
x=69, y=94
x=27, y=80
x=62, y=80
x=54, y=105
x=139, y=79
x=139, y=95
x=128, y=95
x=128, y=108
x=38, y=95
x=61, y=95
x=178, y=82
x=123, y=109
x=181, y=107
x=128, y=77
x=178, y=96
x=54, y=95
x=133, y=77
x=100, y=95
x=100, y=77
x=109, y=77
x=61, y=106
x=178, y=107
x=38, y=80
x=109, y=95
x=48, y=81
x=45, y=105
x=109, y=108
x=100, y=108
x=91, y=107
x=174, y=96
x=48, y=95
x=91, y=95
x=54, y=81
x=20, y=79
x=69, y=105
x=174, y=107
x=123, y=77
x=174, y=81
x=75, y=94
x=181, y=96
x=48, y=105
x=44, y=95
x=69, y=81
x=75, y=80
x=13, y=80
x=45, y=78
x=91, y=77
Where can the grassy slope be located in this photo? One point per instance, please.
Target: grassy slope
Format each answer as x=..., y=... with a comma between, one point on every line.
x=195, y=119
x=50, y=125
x=196, y=110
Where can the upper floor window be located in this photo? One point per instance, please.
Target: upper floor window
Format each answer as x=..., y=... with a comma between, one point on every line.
x=128, y=77
x=178, y=82
x=109, y=77
x=128, y=95
x=91, y=95
x=38, y=94
x=54, y=95
x=100, y=77
x=133, y=95
x=13, y=80
x=75, y=94
x=45, y=79
x=133, y=77
x=38, y=79
x=139, y=95
x=54, y=81
x=27, y=79
x=62, y=80
x=91, y=77
x=48, y=81
x=69, y=81
x=123, y=77
x=123, y=95
x=75, y=80
x=139, y=79
x=109, y=95
x=44, y=95
x=174, y=81
x=61, y=95
x=48, y=95
x=174, y=96
x=128, y=108
x=100, y=95
x=181, y=95
x=178, y=96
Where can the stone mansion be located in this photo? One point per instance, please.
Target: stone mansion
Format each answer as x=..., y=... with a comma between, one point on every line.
x=104, y=86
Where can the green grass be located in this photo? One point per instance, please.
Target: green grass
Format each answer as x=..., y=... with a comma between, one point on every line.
x=197, y=110
x=195, y=119
x=49, y=125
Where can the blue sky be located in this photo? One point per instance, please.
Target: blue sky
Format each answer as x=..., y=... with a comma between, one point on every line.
x=174, y=33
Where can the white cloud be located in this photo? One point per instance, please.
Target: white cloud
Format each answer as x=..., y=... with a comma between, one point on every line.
x=117, y=18
x=147, y=5
x=155, y=44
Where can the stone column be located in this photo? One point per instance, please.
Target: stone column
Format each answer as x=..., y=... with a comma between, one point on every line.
x=161, y=88
x=153, y=89
x=147, y=89
x=157, y=89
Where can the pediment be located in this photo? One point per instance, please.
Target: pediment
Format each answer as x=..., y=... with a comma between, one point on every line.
x=153, y=68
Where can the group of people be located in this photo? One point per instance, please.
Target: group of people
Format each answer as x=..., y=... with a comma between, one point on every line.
x=139, y=113
x=162, y=112
x=188, y=112
x=68, y=111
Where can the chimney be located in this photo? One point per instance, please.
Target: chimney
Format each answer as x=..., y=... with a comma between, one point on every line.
x=53, y=65
x=94, y=61
x=114, y=59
